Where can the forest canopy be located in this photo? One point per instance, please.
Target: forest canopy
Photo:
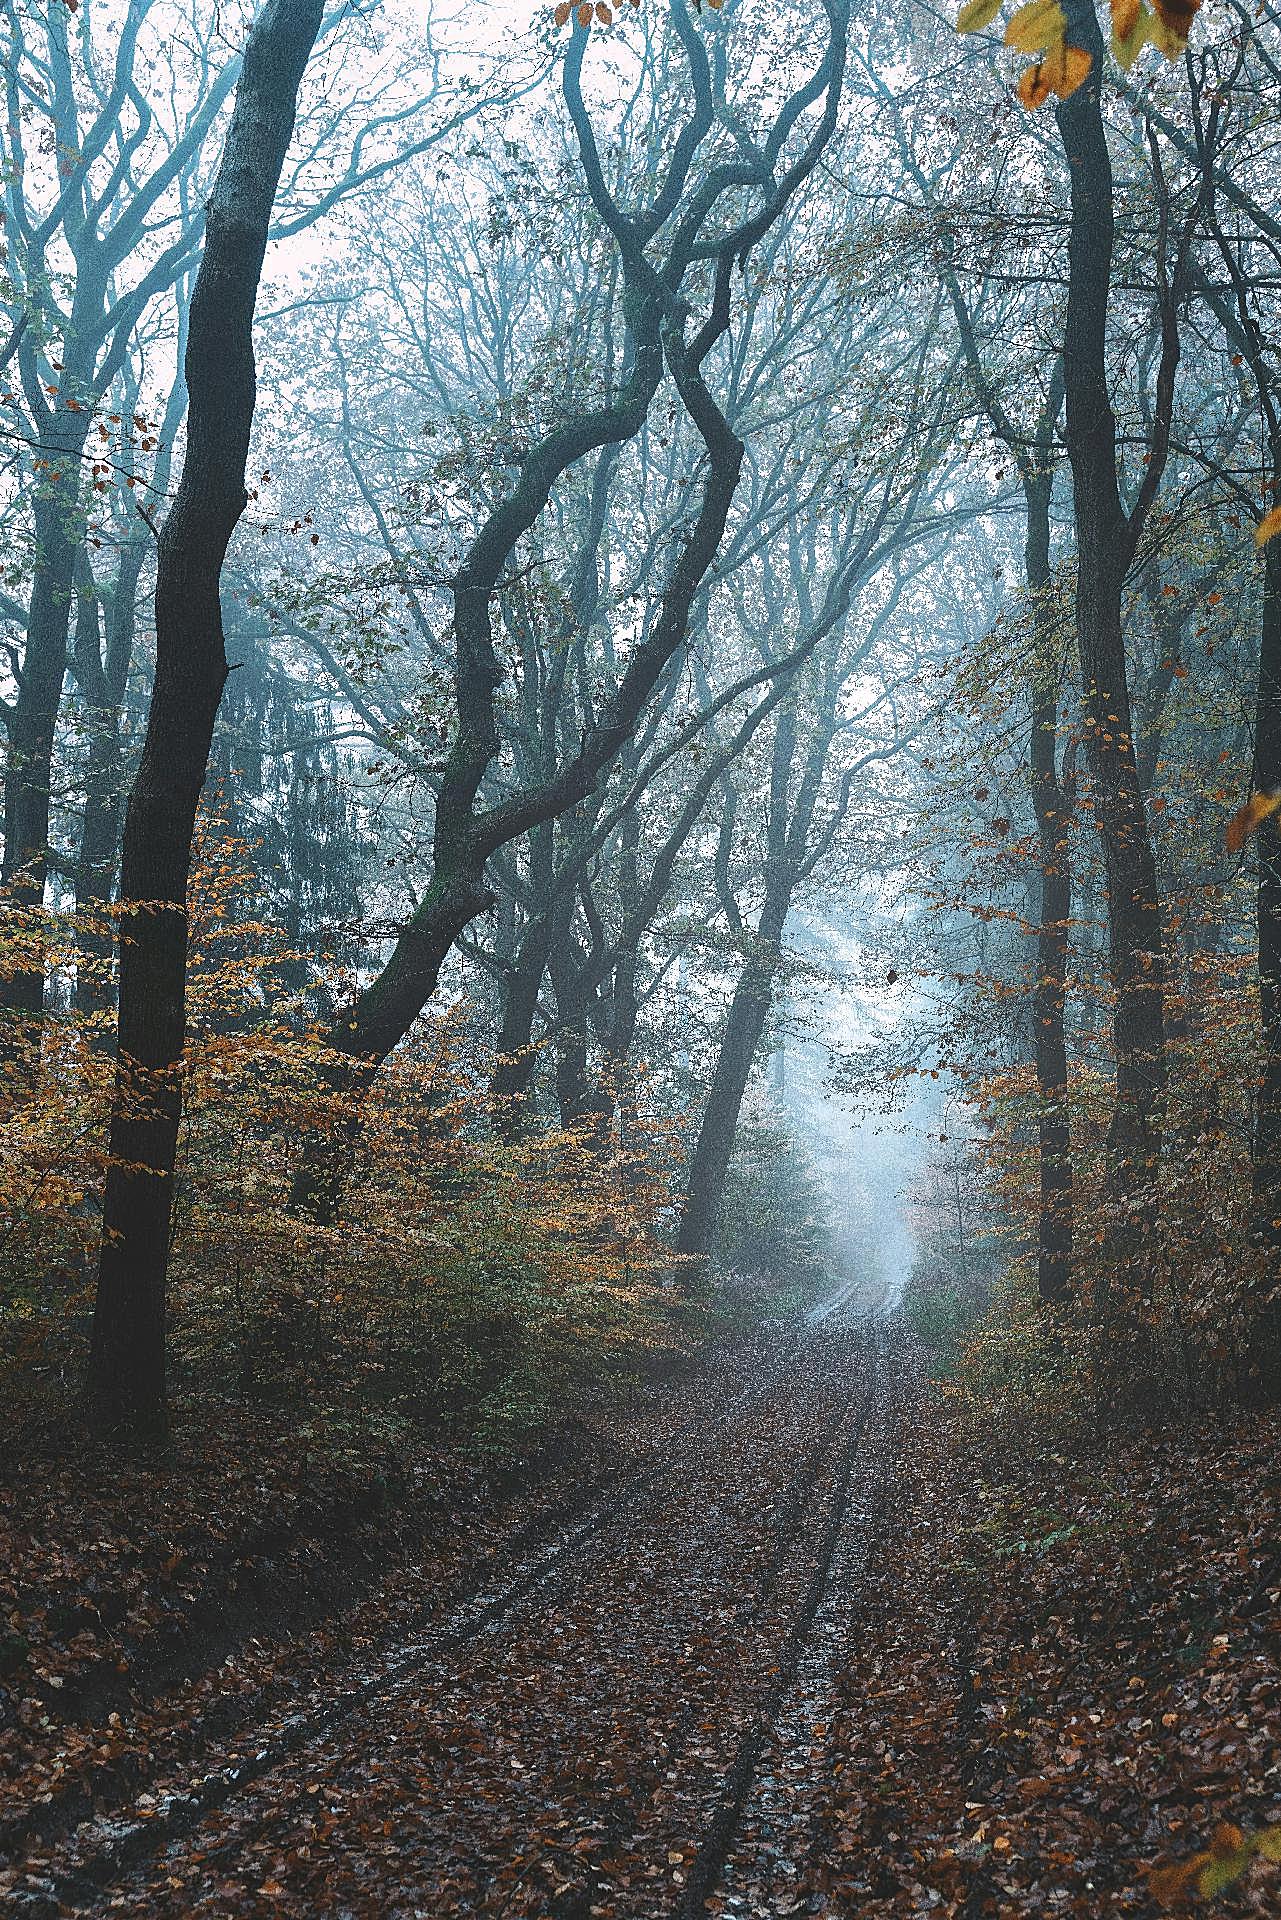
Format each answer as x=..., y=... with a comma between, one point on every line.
x=582, y=582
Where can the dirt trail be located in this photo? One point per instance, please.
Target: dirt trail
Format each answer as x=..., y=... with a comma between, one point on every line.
x=602, y=1732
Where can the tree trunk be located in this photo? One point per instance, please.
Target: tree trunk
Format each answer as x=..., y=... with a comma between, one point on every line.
x=1266, y=1195
x=1051, y=804
x=788, y=859
x=623, y=1008
x=28, y=774
x=103, y=683
x=744, y=1025
x=579, y=1093
x=1104, y=540
x=127, y=1362
x=514, y=1068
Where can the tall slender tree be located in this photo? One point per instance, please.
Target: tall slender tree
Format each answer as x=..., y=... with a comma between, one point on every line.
x=127, y=1361
x=1107, y=539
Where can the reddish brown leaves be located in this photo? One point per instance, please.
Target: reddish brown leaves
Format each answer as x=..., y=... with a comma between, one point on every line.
x=1247, y=819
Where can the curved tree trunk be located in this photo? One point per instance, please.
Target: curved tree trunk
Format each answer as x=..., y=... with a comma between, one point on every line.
x=127, y=1362
x=464, y=840
x=466, y=837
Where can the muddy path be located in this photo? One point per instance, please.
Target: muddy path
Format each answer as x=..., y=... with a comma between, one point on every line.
x=596, y=1730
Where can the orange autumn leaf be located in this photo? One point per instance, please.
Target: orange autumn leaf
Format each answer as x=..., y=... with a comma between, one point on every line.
x=1246, y=819
x=1125, y=17
x=1040, y=27
x=1268, y=527
x=1074, y=67
x=1060, y=72
x=1170, y=1885
x=1034, y=88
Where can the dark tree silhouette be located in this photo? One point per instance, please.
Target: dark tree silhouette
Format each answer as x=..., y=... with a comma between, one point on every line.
x=127, y=1360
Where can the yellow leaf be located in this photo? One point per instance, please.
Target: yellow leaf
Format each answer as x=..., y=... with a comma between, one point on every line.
x=977, y=14
x=1039, y=24
x=1268, y=527
x=1128, y=49
x=1125, y=17
x=1074, y=67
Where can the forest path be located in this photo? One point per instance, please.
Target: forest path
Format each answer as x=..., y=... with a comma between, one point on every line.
x=607, y=1733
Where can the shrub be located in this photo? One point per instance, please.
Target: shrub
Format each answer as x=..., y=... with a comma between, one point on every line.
x=466, y=1279
x=773, y=1229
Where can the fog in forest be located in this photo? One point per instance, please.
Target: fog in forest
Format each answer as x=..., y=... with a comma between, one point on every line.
x=697, y=764
x=640, y=958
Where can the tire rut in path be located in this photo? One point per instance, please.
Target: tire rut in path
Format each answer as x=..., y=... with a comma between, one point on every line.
x=718, y=1840
x=105, y=1849
x=596, y=1716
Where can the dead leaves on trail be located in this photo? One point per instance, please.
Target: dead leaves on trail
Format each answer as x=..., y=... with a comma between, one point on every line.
x=569, y=1764
x=1062, y=1694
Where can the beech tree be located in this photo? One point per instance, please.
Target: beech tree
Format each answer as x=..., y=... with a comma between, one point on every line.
x=86, y=223
x=1032, y=450
x=661, y=246
x=103, y=201
x=127, y=1360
